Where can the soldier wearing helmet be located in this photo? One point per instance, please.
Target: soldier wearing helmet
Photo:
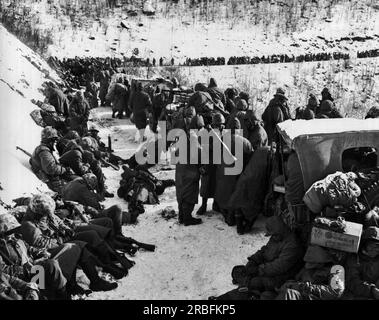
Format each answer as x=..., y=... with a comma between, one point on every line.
x=208, y=171
x=79, y=113
x=218, y=121
x=43, y=229
x=45, y=165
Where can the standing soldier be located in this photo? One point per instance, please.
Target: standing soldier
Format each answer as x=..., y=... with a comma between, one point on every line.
x=225, y=184
x=118, y=95
x=216, y=93
x=208, y=171
x=140, y=104
x=158, y=105
x=79, y=113
x=58, y=99
x=277, y=111
x=309, y=111
x=104, y=85
x=187, y=174
x=91, y=94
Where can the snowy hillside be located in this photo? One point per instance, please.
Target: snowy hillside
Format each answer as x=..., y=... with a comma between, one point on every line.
x=189, y=262
x=22, y=73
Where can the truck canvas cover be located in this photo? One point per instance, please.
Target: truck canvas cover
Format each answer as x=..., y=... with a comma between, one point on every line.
x=319, y=143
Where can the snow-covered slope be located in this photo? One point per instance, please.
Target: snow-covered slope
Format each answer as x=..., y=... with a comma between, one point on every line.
x=22, y=74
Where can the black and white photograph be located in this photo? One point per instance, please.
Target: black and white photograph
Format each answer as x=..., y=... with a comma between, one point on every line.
x=206, y=151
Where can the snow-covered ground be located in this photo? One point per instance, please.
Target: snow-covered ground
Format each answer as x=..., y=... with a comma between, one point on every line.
x=190, y=262
x=22, y=73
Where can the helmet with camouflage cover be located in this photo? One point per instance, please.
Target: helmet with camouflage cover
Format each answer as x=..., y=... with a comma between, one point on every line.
x=42, y=204
x=90, y=180
x=218, y=119
x=48, y=108
x=49, y=133
x=86, y=143
x=72, y=135
x=8, y=222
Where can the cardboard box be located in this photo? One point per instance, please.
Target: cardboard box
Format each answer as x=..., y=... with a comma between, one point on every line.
x=347, y=241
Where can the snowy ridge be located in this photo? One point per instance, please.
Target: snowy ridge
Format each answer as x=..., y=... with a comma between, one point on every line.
x=22, y=73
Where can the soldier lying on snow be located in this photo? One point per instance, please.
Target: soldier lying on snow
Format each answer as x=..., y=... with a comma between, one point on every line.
x=140, y=186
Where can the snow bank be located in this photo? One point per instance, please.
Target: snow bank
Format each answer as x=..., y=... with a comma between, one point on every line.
x=22, y=74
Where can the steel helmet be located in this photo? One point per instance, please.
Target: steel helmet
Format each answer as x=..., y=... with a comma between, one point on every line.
x=218, y=119
x=91, y=180
x=49, y=133
x=72, y=135
x=42, y=204
x=86, y=143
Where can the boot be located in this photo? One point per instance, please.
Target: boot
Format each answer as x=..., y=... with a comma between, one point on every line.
x=240, y=221
x=96, y=283
x=215, y=206
x=230, y=218
x=192, y=221
x=72, y=287
x=188, y=220
x=108, y=194
x=203, y=207
x=249, y=225
x=115, y=271
x=102, y=285
x=124, y=261
x=126, y=247
x=113, y=114
x=180, y=214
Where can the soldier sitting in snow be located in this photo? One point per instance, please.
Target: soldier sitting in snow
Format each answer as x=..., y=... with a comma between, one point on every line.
x=270, y=266
x=45, y=165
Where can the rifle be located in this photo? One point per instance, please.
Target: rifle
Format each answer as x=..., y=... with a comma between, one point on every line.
x=109, y=164
x=226, y=148
x=24, y=151
x=10, y=232
x=146, y=246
